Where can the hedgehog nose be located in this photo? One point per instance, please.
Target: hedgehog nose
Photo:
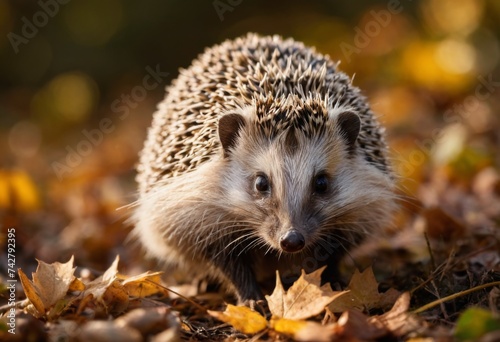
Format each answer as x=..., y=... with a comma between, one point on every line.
x=292, y=241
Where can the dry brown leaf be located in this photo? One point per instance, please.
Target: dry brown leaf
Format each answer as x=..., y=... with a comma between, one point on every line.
x=304, y=299
x=354, y=325
x=53, y=281
x=398, y=320
x=115, y=298
x=363, y=294
x=76, y=285
x=143, y=285
x=302, y=330
x=242, y=318
x=31, y=292
x=98, y=286
x=106, y=291
x=86, y=300
x=50, y=284
x=111, y=273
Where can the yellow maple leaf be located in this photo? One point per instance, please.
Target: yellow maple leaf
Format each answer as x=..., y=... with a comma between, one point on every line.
x=304, y=299
x=242, y=318
x=302, y=330
x=143, y=285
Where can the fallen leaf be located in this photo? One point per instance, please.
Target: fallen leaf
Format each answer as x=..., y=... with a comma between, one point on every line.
x=475, y=323
x=302, y=330
x=304, y=299
x=242, y=318
x=53, y=281
x=31, y=292
x=76, y=285
x=115, y=298
x=354, y=325
x=143, y=285
x=398, y=320
x=363, y=294
x=50, y=284
x=106, y=291
x=111, y=273
x=98, y=286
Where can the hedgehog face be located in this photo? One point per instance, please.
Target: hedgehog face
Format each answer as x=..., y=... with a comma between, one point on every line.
x=285, y=182
x=293, y=177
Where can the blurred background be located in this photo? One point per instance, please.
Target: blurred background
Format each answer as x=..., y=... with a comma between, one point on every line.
x=75, y=104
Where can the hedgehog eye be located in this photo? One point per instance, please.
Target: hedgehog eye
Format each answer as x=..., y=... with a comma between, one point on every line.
x=320, y=183
x=261, y=183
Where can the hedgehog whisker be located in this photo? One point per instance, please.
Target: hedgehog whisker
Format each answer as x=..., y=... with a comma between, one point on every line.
x=248, y=247
x=235, y=244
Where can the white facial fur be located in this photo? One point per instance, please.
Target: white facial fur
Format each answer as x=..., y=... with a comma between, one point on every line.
x=356, y=188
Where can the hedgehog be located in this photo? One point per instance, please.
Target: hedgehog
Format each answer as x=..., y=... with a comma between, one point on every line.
x=262, y=157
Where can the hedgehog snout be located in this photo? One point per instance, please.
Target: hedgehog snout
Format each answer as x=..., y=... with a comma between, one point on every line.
x=292, y=241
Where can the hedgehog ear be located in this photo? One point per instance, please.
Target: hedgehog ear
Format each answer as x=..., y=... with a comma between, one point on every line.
x=349, y=125
x=229, y=127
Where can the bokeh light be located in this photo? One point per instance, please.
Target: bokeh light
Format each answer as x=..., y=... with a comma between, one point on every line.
x=68, y=98
x=449, y=16
x=424, y=64
x=456, y=56
x=25, y=139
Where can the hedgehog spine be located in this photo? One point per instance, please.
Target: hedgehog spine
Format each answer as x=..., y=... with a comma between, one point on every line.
x=261, y=148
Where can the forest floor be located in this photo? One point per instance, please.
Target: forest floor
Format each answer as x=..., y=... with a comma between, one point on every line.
x=435, y=276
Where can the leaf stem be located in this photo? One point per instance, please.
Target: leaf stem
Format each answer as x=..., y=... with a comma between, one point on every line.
x=453, y=296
